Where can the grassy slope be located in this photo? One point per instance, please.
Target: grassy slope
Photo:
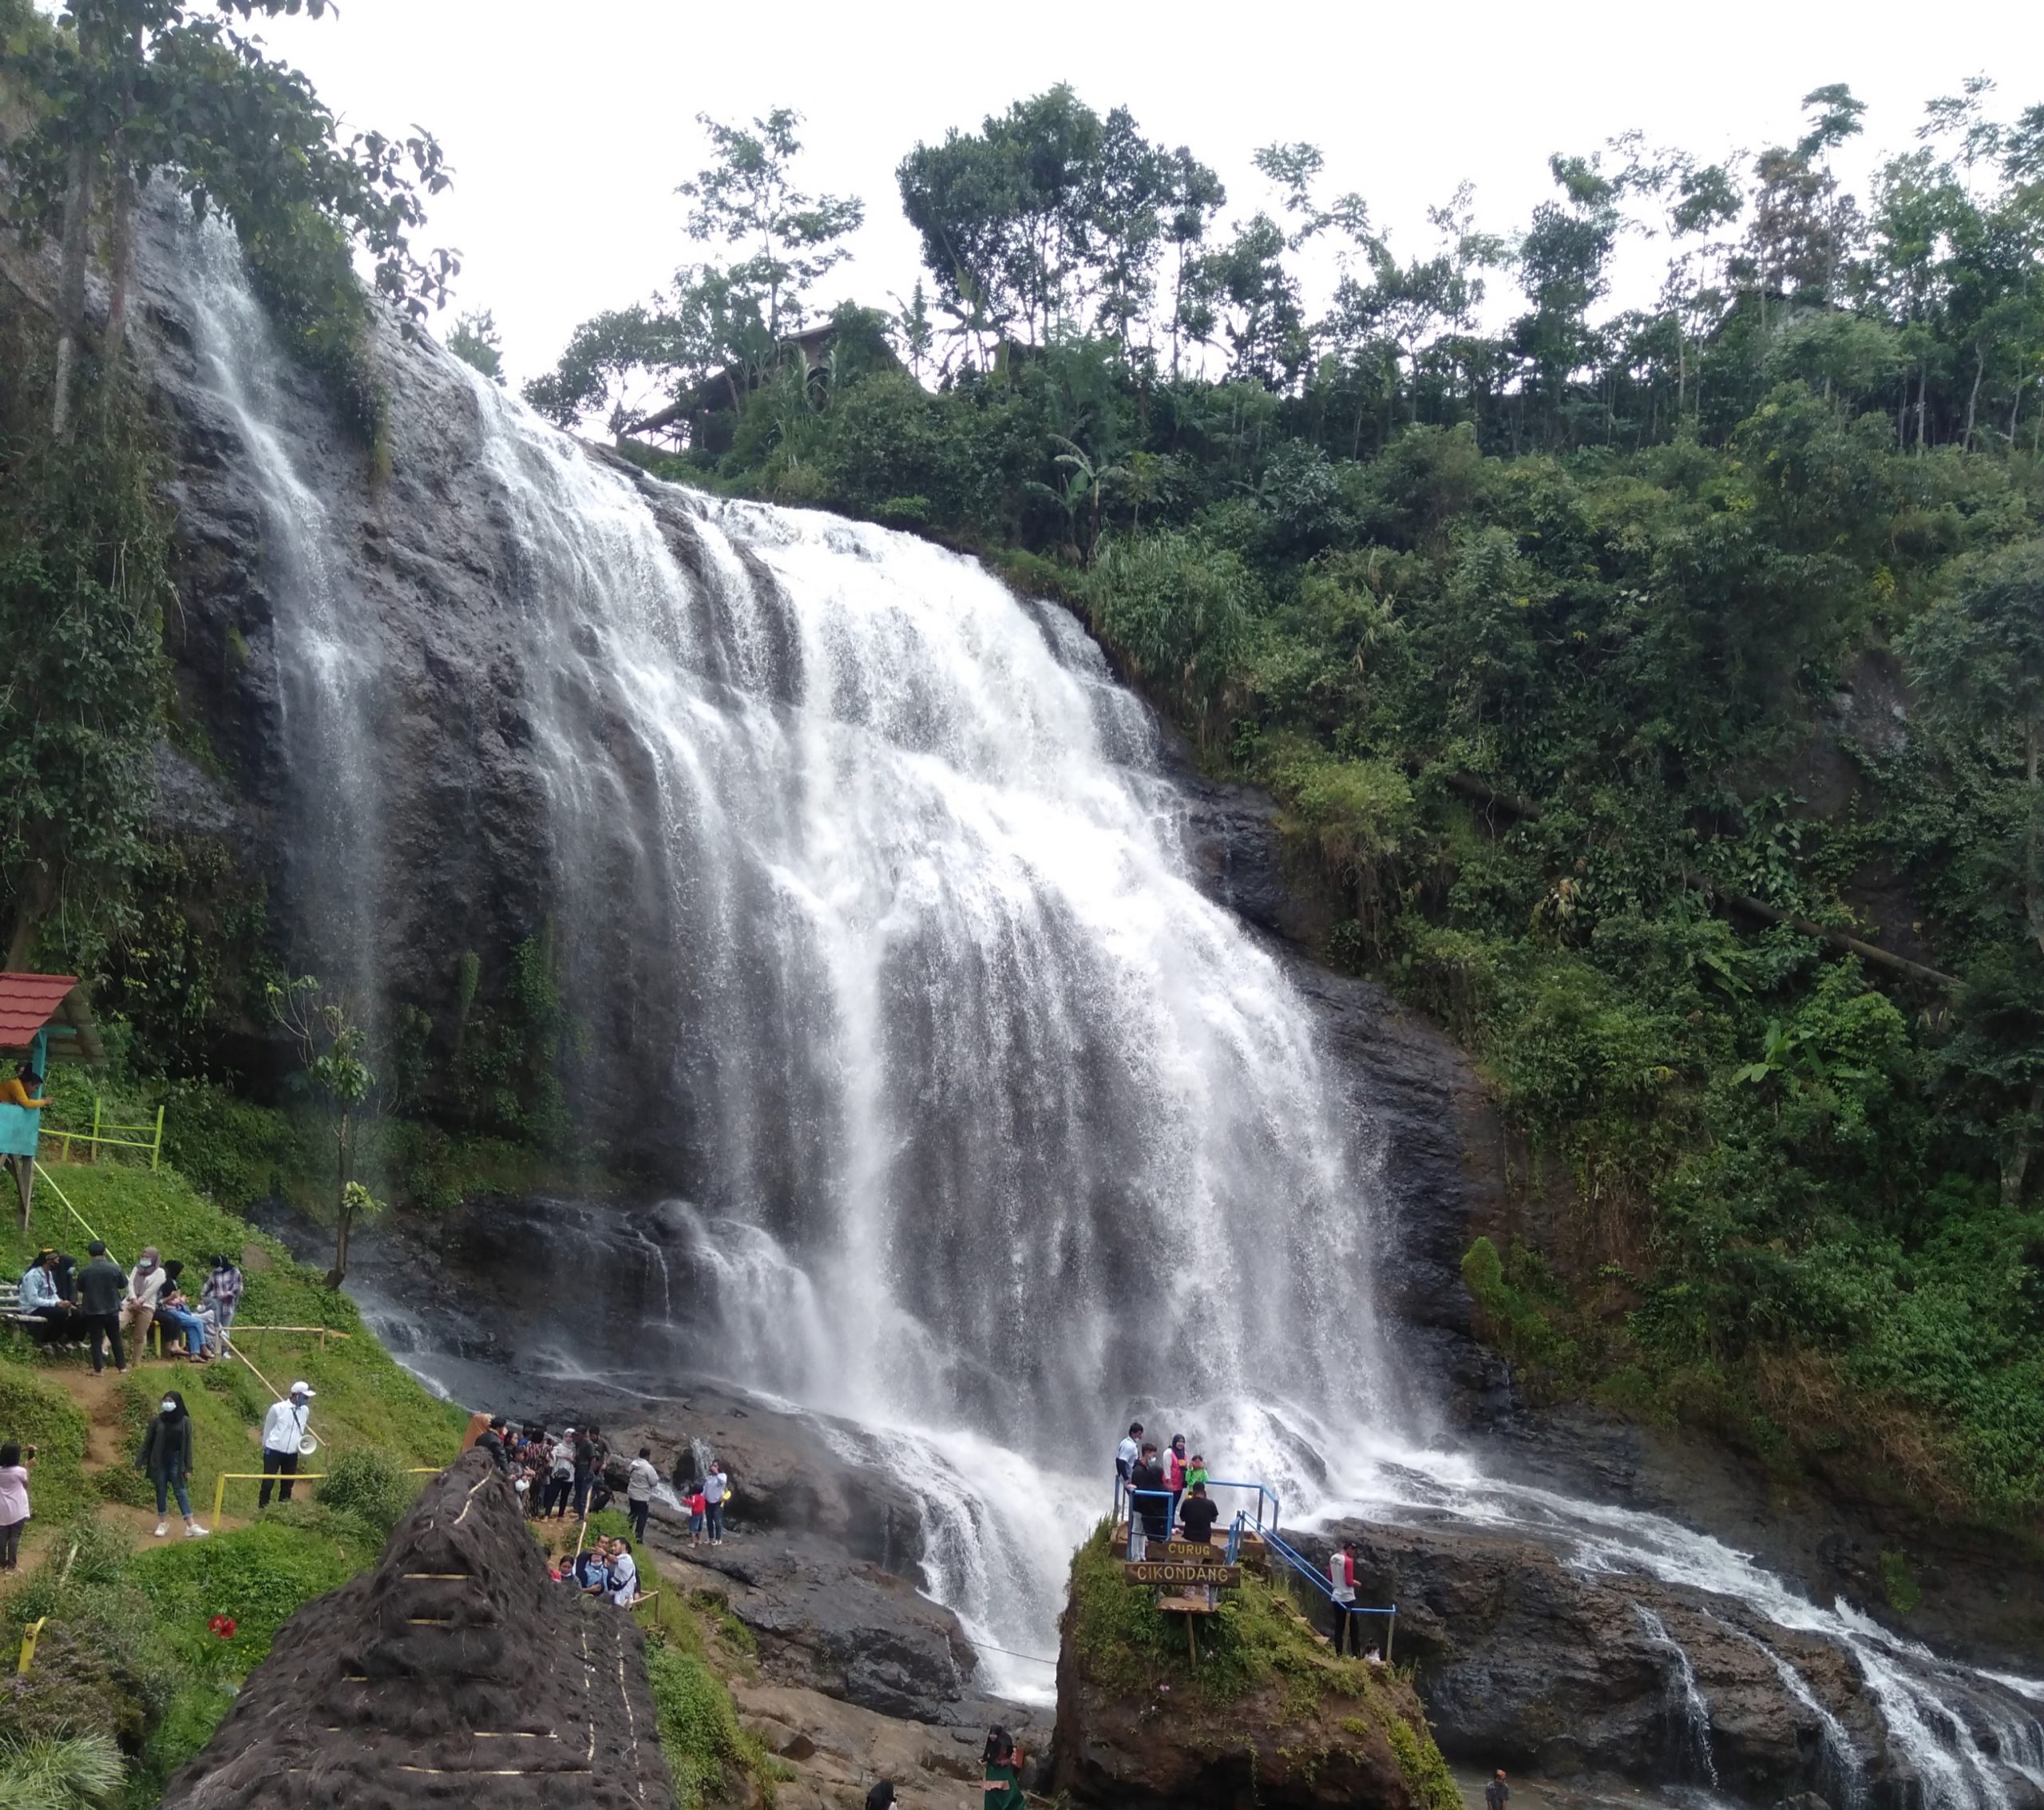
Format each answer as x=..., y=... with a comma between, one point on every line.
x=128, y=1649
x=131, y=1647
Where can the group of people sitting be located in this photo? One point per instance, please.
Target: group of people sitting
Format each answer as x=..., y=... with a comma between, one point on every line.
x=1162, y=1491
x=102, y=1305
x=606, y=1570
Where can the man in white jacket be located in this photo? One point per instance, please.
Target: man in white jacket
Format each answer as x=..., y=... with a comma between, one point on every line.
x=283, y=1431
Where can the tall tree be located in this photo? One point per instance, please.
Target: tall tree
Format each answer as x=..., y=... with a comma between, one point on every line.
x=1193, y=199
x=1563, y=267
x=1046, y=220
x=786, y=240
x=138, y=88
x=728, y=315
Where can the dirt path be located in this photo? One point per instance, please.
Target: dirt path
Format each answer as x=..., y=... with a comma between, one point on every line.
x=108, y=1445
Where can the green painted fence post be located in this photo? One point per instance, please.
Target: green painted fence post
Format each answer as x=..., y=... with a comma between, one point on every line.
x=93, y=1155
x=156, y=1149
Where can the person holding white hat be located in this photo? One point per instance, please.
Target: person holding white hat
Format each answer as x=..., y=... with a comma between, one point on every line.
x=283, y=1433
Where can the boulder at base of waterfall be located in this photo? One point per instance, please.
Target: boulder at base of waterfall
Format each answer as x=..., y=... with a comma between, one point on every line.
x=457, y=1672
x=1526, y=1662
x=1266, y=1715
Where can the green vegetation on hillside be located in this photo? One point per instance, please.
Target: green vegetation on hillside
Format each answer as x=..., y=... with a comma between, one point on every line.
x=1589, y=654
x=132, y=1652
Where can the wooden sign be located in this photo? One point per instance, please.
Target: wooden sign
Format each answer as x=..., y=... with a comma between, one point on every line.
x=1185, y=1552
x=1172, y=1573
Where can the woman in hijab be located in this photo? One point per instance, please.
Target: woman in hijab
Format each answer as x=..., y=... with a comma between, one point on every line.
x=166, y=1461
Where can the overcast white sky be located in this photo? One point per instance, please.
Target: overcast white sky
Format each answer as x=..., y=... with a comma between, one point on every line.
x=569, y=125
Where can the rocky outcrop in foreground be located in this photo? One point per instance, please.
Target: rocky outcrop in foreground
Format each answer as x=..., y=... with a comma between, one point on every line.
x=457, y=1672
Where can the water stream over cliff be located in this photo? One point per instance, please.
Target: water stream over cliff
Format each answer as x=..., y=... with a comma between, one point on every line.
x=863, y=882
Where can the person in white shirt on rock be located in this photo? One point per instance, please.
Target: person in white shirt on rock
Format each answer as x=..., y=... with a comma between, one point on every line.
x=716, y=1487
x=638, y=1492
x=1341, y=1592
x=284, y=1432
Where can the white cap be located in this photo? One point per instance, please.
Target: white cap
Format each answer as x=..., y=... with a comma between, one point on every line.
x=566, y=1431
x=303, y=1389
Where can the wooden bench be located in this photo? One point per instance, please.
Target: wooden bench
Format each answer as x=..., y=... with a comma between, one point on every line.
x=10, y=1307
x=11, y=1315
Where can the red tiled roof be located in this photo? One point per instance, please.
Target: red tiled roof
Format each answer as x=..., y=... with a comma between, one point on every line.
x=27, y=1003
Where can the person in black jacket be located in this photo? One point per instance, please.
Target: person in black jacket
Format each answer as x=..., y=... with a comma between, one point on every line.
x=1149, y=1505
x=101, y=1284
x=492, y=1441
x=165, y=1459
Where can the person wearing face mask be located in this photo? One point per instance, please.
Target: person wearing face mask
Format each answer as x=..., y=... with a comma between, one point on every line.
x=166, y=1461
x=284, y=1432
x=145, y=1283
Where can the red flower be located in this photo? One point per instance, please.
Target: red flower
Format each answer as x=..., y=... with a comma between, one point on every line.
x=223, y=1625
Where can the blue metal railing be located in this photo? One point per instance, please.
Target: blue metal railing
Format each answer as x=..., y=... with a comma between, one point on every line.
x=1304, y=1567
x=1295, y=1561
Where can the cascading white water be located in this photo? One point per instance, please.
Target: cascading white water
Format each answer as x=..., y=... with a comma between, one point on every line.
x=998, y=1126
x=326, y=677
x=1695, y=1711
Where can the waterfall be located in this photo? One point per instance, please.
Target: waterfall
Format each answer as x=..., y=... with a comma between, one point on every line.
x=326, y=656
x=1848, y=1775
x=1693, y=1746
x=868, y=901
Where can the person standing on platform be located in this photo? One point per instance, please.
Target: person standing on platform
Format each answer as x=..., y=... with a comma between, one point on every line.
x=1126, y=1454
x=1148, y=1505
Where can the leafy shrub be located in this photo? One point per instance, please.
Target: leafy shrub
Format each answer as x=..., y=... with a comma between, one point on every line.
x=1514, y=1315
x=372, y=1486
x=1179, y=611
